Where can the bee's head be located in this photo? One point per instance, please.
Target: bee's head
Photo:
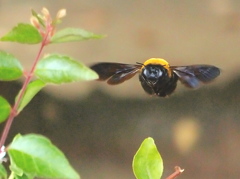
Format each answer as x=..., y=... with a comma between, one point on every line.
x=153, y=73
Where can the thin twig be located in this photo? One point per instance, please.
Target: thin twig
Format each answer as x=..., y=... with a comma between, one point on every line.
x=177, y=172
x=14, y=111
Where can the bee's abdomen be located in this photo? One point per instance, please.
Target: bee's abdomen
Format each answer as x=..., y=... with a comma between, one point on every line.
x=168, y=88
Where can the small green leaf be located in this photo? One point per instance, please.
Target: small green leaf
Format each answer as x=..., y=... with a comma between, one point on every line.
x=3, y=172
x=5, y=109
x=10, y=67
x=59, y=69
x=32, y=89
x=39, y=17
x=147, y=162
x=16, y=171
x=23, y=33
x=23, y=176
x=73, y=34
x=36, y=156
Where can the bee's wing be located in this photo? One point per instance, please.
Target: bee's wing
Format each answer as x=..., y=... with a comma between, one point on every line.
x=115, y=73
x=191, y=76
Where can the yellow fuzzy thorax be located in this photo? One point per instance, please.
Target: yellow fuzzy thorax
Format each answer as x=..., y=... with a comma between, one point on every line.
x=158, y=61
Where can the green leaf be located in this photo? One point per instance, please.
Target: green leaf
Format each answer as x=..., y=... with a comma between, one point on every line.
x=36, y=156
x=147, y=162
x=5, y=109
x=23, y=176
x=32, y=89
x=3, y=172
x=15, y=170
x=39, y=17
x=15, y=174
x=73, y=34
x=10, y=67
x=59, y=69
x=23, y=33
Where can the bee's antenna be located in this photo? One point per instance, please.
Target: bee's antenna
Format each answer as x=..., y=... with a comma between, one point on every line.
x=140, y=64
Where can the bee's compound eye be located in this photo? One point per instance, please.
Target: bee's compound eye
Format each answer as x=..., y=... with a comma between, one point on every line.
x=152, y=72
x=145, y=72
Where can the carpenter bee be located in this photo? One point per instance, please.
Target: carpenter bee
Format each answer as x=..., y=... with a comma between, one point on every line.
x=157, y=77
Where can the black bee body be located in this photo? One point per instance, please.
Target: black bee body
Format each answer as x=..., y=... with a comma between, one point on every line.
x=156, y=81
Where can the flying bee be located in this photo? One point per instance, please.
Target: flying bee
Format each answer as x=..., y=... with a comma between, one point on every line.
x=157, y=77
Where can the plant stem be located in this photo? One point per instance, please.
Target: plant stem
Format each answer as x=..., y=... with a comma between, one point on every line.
x=177, y=172
x=14, y=111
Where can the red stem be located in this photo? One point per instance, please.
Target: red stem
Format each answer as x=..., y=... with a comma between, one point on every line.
x=177, y=172
x=14, y=112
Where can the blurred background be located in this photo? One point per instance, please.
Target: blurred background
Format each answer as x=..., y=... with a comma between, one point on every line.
x=100, y=127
